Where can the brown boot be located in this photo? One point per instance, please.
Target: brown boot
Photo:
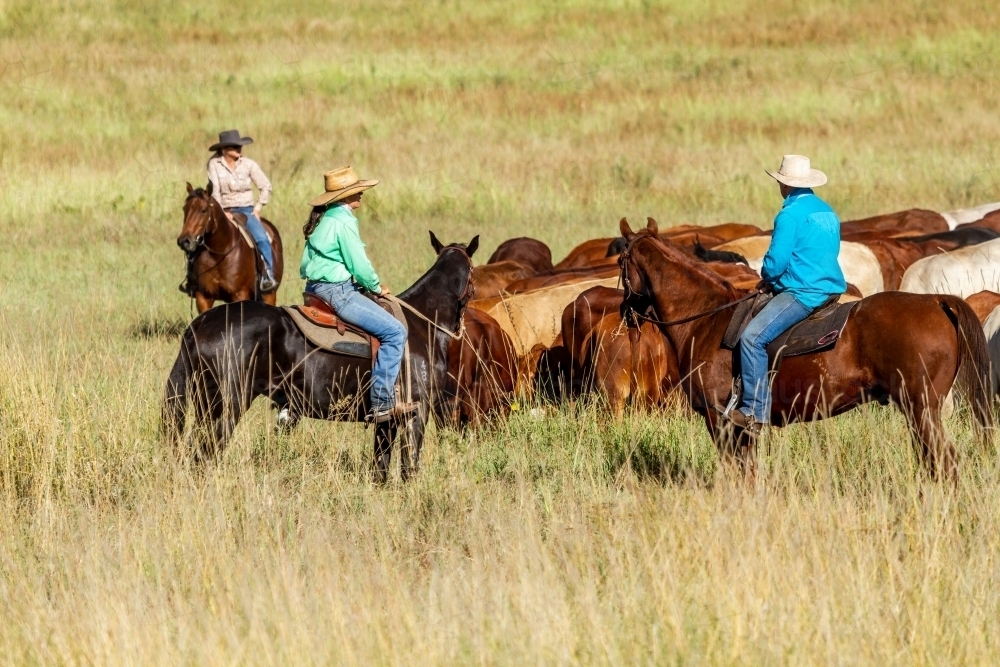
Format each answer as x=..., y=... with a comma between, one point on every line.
x=744, y=422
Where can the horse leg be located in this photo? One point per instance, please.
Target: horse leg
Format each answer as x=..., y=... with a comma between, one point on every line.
x=409, y=451
x=203, y=302
x=385, y=434
x=936, y=452
x=737, y=450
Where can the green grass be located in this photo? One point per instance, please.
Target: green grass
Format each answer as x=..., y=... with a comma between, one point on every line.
x=556, y=539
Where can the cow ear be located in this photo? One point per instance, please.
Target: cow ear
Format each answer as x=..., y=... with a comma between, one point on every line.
x=624, y=228
x=208, y=188
x=190, y=189
x=438, y=247
x=473, y=246
x=652, y=226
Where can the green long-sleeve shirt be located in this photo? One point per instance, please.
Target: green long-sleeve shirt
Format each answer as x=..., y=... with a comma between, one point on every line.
x=334, y=252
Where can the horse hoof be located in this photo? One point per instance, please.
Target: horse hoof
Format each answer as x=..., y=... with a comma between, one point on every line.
x=284, y=420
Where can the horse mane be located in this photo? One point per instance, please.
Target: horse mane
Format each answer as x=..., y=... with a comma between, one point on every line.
x=678, y=255
x=197, y=192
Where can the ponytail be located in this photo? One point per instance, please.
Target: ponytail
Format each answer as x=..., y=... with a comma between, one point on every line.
x=314, y=217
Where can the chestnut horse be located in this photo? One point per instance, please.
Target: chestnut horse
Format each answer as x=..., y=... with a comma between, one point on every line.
x=908, y=349
x=232, y=354
x=221, y=265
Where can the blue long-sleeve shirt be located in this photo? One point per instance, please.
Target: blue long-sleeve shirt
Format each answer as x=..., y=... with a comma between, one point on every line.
x=802, y=258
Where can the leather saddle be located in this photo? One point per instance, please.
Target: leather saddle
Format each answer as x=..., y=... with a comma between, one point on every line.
x=820, y=331
x=318, y=321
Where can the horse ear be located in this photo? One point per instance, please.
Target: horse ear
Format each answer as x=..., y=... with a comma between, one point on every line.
x=208, y=188
x=190, y=189
x=473, y=246
x=652, y=226
x=438, y=247
x=624, y=228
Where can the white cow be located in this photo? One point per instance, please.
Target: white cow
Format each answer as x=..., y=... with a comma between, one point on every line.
x=857, y=261
x=964, y=216
x=960, y=272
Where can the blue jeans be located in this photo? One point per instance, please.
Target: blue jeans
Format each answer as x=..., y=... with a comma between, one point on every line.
x=357, y=309
x=256, y=229
x=777, y=317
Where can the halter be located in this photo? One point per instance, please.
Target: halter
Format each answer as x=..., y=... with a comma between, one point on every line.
x=214, y=228
x=629, y=309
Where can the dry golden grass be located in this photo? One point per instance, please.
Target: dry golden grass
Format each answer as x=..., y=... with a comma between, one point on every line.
x=556, y=540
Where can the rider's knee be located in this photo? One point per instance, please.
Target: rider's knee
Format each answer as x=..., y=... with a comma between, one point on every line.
x=396, y=334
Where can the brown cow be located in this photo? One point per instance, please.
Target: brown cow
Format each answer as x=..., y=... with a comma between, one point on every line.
x=983, y=303
x=489, y=279
x=896, y=255
x=482, y=374
x=530, y=252
x=598, y=353
x=902, y=223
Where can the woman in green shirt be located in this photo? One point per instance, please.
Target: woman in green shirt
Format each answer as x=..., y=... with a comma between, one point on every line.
x=336, y=268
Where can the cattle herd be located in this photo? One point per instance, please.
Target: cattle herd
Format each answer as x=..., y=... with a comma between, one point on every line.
x=555, y=331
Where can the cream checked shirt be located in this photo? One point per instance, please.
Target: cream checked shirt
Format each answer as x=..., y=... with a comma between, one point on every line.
x=232, y=187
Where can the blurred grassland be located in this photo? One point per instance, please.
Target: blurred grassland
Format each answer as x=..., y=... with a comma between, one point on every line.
x=563, y=539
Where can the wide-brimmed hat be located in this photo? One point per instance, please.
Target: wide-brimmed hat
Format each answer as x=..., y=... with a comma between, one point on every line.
x=795, y=171
x=341, y=183
x=230, y=138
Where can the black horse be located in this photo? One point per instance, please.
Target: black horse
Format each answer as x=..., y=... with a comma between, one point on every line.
x=236, y=352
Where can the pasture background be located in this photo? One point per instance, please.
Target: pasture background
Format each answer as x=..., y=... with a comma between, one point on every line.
x=566, y=539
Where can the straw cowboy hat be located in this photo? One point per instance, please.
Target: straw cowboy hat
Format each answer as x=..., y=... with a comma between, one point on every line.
x=796, y=172
x=341, y=183
x=230, y=138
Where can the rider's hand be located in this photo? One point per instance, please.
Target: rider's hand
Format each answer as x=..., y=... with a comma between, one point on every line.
x=385, y=291
x=256, y=212
x=229, y=215
x=762, y=286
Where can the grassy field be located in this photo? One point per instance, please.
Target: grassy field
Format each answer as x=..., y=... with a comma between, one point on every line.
x=564, y=539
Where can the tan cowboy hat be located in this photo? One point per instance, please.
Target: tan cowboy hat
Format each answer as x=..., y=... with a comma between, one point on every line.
x=341, y=183
x=795, y=171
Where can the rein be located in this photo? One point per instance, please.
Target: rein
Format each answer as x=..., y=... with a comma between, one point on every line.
x=696, y=316
x=463, y=298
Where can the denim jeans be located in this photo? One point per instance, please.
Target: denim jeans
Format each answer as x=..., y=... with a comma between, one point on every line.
x=256, y=229
x=362, y=312
x=779, y=315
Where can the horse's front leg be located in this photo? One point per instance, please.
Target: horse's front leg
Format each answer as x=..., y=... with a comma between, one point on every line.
x=385, y=434
x=737, y=449
x=412, y=443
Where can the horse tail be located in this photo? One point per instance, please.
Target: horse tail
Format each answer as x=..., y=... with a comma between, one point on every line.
x=973, y=377
x=175, y=399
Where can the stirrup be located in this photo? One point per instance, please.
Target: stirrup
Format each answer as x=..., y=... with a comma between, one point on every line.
x=398, y=411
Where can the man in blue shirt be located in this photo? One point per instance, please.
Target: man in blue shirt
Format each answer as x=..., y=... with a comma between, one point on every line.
x=801, y=268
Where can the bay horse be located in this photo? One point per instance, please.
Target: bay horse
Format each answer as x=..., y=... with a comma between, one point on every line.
x=905, y=349
x=221, y=265
x=232, y=354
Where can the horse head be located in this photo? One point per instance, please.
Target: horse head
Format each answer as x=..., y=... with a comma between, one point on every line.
x=198, y=215
x=463, y=261
x=636, y=298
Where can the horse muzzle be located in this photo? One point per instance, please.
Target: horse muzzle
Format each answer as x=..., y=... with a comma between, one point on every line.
x=190, y=243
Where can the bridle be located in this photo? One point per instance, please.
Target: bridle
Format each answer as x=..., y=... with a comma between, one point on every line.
x=463, y=299
x=632, y=316
x=209, y=230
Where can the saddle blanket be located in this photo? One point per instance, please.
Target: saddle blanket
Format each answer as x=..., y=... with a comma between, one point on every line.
x=330, y=339
x=819, y=331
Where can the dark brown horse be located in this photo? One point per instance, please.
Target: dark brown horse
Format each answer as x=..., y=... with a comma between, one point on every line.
x=232, y=354
x=907, y=349
x=222, y=266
